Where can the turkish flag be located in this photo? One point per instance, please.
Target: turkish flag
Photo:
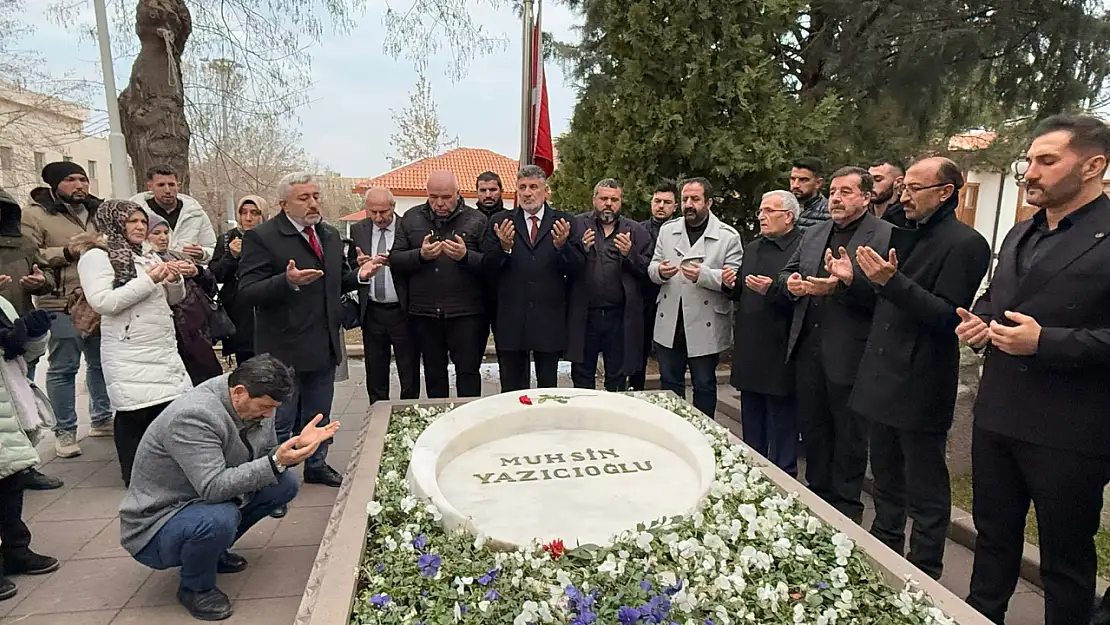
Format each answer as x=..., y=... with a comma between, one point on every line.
x=542, y=149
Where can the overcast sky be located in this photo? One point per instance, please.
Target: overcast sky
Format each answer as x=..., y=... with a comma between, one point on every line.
x=348, y=124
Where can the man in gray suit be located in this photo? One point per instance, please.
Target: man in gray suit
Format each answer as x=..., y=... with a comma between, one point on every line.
x=693, y=324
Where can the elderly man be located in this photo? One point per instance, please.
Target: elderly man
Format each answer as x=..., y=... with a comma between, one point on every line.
x=1041, y=432
x=694, y=324
x=833, y=307
x=764, y=377
x=385, y=324
x=190, y=228
x=607, y=301
x=292, y=271
x=908, y=376
x=527, y=252
x=435, y=254
x=206, y=471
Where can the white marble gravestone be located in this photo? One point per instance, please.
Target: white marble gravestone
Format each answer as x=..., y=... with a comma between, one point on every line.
x=580, y=470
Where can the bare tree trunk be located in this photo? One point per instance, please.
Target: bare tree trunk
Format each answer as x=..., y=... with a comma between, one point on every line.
x=152, y=107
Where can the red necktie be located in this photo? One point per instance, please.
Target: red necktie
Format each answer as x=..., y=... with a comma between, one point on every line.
x=310, y=232
x=534, y=230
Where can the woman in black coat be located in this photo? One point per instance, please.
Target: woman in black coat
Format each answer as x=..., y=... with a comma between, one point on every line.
x=251, y=211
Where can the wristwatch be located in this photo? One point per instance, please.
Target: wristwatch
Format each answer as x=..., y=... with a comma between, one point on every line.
x=279, y=468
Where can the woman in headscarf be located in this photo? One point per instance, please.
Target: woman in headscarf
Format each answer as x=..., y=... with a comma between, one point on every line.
x=190, y=315
x=133, y=290
x=251, y=211
x=21, y=426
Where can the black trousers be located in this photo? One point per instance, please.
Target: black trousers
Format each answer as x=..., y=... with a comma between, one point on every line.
x=243, y=355
x=385, y=329
x=911, y=474
x=1066, y=490
x=516, y=374
x=130, y=425
x=638, y=379
x=14, y=533
x=459, y=338
x=834, y=436
x=605, y=337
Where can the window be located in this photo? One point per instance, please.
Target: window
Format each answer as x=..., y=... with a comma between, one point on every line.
x=5, y=158
x=40, y=161
x=68, y=159
x=1024, y=211
x=969, y=201
x=91, y=170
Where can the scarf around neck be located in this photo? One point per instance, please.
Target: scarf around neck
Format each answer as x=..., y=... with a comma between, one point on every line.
x=111, y=221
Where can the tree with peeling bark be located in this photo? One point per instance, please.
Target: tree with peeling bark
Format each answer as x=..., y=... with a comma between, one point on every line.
x=420, y=133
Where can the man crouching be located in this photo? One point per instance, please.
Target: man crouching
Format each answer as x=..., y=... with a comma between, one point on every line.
x=207, y=470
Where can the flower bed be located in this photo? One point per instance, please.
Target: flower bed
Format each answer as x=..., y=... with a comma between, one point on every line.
x=751, y=555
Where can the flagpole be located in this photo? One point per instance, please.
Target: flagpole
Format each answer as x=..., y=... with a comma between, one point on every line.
x=526, y=89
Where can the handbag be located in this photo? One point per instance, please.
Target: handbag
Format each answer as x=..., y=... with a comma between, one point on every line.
x=85, y=320
x=44, y=407
x=220, y=324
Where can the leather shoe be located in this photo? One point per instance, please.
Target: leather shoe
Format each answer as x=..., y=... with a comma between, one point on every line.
x=7, y=588
x=210, y=605
x=33, y=480
x=231, y=562
x=279, y=512
x=26, y=562
x=324, y=475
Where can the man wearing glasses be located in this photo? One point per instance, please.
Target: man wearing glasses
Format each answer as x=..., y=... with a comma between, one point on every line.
x=910, y=370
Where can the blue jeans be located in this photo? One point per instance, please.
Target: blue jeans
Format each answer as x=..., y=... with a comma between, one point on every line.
x=196, y=537
x=703, y=373
x=771, y=428
x=312, y=395
x=63, y=361
x=605, y=336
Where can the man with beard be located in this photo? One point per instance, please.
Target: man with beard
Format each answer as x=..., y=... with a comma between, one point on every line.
x=833, y=307
x=490, y=203
x=436, y=258
x=664, y=200
x=190, y=228
x=527, y=251
x=888, y=175
x=57, y=214
x=805, y=184
x=909, y=373
x=1041, y=431
x=694, y=323
x=606, y=300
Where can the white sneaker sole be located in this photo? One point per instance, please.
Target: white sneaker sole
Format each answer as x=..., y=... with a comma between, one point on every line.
x=67, y=452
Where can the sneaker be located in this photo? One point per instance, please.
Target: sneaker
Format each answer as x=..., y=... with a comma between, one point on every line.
x=33, y=480
x=7, y=588
x=210, y=605
x=26, y=562
x=106, y=429
x=65, y=445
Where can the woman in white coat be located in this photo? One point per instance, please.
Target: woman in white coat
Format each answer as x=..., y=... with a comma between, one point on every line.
x=133, y=290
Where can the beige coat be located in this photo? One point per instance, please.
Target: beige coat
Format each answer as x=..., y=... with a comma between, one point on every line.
x=50, y=226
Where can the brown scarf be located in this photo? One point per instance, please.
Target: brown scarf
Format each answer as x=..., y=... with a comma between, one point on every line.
x=111, y=221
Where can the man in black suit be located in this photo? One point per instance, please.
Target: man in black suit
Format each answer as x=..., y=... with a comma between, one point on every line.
x=762, y=316
x=890, y=176
x=436, y=257
x=293, y=273
x=834, y=303
x=491, y=204
x=664, y=202
x=1041, y=427
x=527, y=252
x=385, y=324
x=606, y=300
x=908, y=377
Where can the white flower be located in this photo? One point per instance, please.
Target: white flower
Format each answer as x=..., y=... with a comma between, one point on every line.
x=434, y=512
x=408, y=503
x=563, y=578
x=828, y=617
x=643, y=540
x=722, y=583
x=528, y=613
x=457, y=612
x=390, y=543
x=374, y=508
x=483, y=606
x=667, y=578
x=480, y=541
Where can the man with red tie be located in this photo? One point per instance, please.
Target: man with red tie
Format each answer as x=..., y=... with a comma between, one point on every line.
x=293, y=272
x=529, y=251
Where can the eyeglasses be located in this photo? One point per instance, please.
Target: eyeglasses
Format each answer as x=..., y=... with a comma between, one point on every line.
x=914, y=190
x=768, y=211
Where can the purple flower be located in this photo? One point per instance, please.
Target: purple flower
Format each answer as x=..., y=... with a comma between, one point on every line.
x=380, y=600
x=822, y=586
x=492, y=595
x=584, y=617
x=573, y=593
x=628, y=616
x=429, y=564
x=488, y=578
x=463, y=609
x=671, y=591
x=708, y=621
x=645, y=585
x=379, y=567
x=419, y=542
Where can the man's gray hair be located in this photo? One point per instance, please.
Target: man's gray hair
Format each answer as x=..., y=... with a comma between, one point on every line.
x=789, y=202
x=531, y=171
x=392, y=200
x=285, y=185
x=607, y=183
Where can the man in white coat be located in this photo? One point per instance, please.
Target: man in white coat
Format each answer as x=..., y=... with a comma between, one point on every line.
x=191, y=230
x=693, y=324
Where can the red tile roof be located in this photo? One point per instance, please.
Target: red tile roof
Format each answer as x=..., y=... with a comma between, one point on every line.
x=409, y=180
x=974, y=140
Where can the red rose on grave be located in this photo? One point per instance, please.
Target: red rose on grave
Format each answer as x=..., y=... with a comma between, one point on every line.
x=526, y=400
x=555, y=548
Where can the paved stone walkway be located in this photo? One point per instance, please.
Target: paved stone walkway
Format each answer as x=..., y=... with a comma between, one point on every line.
x=99, y=584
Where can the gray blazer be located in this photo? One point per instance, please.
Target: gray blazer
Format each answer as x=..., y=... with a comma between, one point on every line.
x=706, y=311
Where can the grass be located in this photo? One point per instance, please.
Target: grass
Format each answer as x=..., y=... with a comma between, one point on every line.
x=962, y=498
